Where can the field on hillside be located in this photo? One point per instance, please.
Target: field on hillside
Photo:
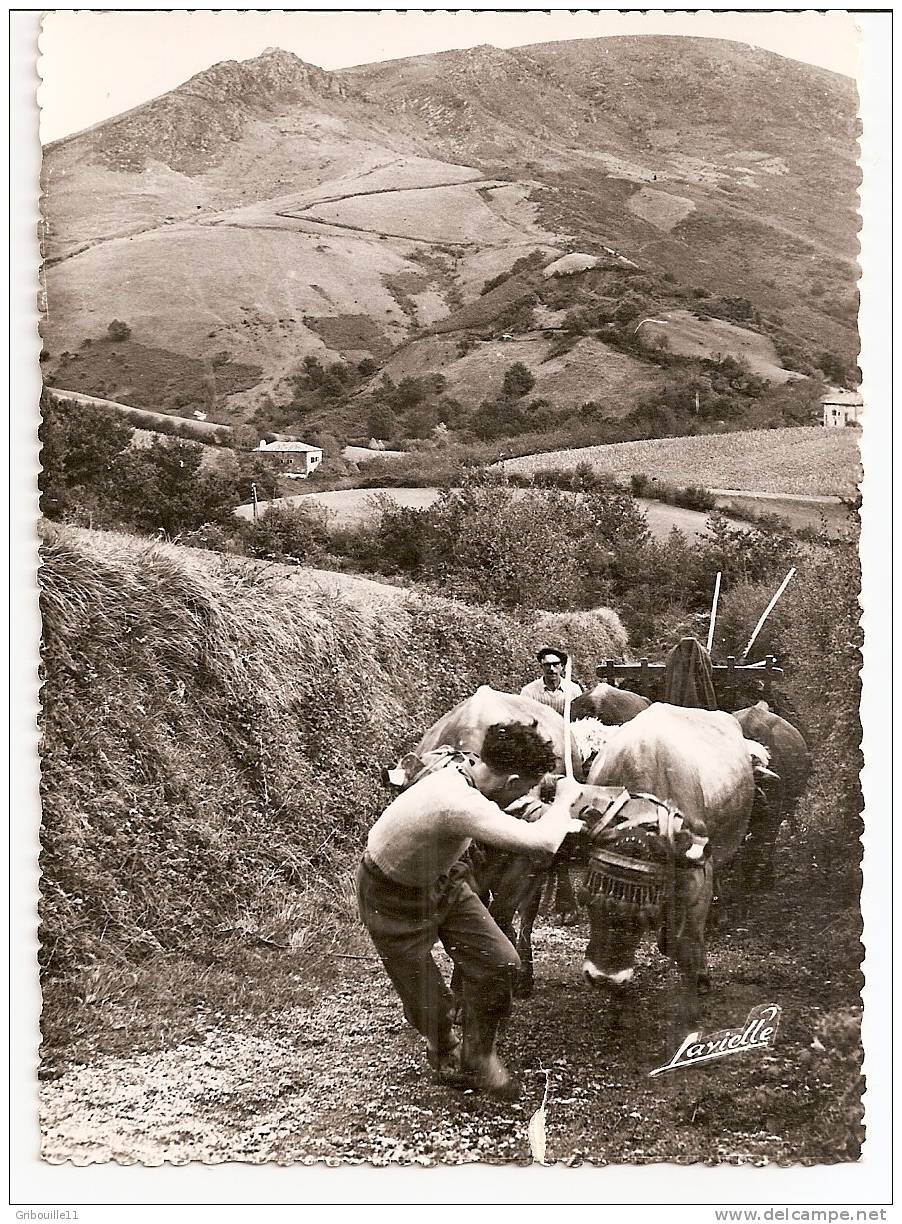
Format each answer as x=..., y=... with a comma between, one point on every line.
x=812, y=461
x=591, y=370
x=458, y=214
x=156, y=379
x=249, y=288
x=690, y=336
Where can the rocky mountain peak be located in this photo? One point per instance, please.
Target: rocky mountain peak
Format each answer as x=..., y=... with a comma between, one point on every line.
x=191, y=127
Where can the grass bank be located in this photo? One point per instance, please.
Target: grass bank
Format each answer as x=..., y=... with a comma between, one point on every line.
x=213, y=733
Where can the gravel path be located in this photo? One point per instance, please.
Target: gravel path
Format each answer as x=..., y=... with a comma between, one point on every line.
x=343, y=1079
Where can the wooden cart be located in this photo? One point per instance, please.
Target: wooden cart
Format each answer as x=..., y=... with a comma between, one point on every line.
x=735, y=684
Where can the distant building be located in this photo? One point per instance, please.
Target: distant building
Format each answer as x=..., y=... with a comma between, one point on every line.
x=841, y=408
x=299, y=459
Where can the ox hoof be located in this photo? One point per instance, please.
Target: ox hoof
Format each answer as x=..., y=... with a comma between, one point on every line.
x=492, y=1077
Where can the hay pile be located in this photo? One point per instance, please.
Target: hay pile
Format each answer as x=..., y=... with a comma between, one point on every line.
x=213, y=732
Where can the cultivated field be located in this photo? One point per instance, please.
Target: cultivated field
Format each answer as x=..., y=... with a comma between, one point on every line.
x=808, y=461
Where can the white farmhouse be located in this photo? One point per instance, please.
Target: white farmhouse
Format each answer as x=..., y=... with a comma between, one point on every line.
x=298, y=459
x=841, y=407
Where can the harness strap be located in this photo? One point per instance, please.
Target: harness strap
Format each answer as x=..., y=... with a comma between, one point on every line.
x=610, y=812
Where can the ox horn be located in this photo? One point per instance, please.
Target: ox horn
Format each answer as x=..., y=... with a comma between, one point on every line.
x=761, y=771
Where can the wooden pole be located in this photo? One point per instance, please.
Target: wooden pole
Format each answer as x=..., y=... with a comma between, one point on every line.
x=713, y=619
x=767, y=611
x=568, y=757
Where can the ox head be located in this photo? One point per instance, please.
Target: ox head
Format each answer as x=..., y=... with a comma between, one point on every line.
x=632, y=855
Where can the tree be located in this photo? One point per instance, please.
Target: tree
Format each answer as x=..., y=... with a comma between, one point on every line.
x=80, y=444
x=836, y=369
x=630, y=307
x=380, y=421
x=518, y=379
x=408, y=393
x=163, y=487
x=117, y=330
x=420, y=422
x=331, y=386
x=293, y=533
x=313, y=370
x=496, y=419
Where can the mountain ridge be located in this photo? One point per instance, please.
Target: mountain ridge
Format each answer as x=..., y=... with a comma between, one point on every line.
x=280, y=210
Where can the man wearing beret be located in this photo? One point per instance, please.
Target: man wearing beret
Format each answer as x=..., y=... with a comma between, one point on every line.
x=552, y=688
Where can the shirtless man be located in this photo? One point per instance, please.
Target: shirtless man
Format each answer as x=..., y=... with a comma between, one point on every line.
x=412, y=890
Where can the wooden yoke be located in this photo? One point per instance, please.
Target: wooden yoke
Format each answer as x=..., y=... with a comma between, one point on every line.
x=729, y=677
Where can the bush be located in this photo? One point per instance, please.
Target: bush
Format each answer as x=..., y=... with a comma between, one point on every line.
x=117, y=330
x=289, y=533
x=518, y=379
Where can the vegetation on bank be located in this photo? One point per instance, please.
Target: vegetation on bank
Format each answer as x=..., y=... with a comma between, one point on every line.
x=213, y=735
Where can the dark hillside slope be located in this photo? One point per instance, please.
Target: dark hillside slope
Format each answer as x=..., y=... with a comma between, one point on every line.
x=213, y=733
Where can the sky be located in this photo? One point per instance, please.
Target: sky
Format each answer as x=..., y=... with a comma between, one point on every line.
x=97, y=64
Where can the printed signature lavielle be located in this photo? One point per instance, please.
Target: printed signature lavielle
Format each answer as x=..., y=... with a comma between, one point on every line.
x=758, y=1032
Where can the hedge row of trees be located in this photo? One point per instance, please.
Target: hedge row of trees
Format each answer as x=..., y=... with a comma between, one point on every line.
x=91, y=473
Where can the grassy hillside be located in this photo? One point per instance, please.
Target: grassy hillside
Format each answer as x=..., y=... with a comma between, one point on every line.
x=213, y=732
x=816, y=462
x=276, y=211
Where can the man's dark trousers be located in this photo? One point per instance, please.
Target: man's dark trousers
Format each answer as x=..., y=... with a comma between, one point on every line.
x=404, y=924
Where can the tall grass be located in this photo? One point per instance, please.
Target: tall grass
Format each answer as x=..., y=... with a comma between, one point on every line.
x=213, y=733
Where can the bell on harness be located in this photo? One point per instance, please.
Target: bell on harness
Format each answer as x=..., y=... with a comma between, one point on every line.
x=633, y=855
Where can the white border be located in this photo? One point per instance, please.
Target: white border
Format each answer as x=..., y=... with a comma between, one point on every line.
x=43, y=1186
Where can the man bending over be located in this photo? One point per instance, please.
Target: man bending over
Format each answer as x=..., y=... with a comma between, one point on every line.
x=412, y=889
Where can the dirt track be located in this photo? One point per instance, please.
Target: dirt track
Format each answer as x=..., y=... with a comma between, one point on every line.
x=343, y=1079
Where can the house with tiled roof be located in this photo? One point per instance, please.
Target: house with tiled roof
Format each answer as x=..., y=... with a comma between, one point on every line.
x=296, y=458
x=841, y=407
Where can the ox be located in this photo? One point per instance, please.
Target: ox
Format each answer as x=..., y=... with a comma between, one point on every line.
x=700, y=761
x=611, y=706
x=778, y=798
x=509, y=884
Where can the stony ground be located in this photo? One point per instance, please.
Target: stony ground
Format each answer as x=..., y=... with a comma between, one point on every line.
x=342, y=1078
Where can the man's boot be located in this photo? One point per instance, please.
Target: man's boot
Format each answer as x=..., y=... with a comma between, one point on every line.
x=445, y=1063
x=479, y=1056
